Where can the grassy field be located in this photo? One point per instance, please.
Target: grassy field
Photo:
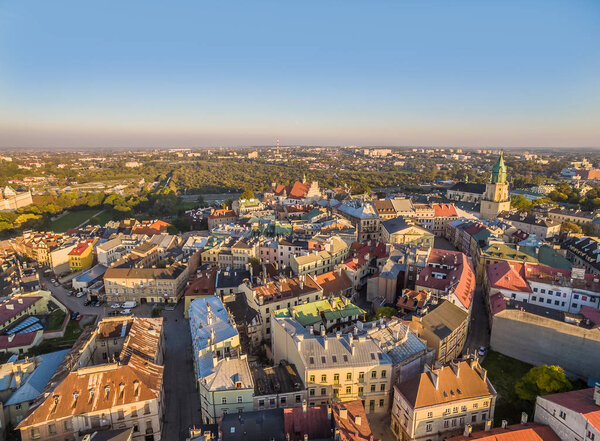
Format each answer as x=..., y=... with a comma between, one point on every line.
x=504, y=372
x=104, y=217
x=55, y=320
x=72, y=219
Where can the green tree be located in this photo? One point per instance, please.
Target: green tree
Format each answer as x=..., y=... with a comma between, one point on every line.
x=385, y=311
x=247, y=194
x=570, y=227
x=520, y=203
x=542, y=380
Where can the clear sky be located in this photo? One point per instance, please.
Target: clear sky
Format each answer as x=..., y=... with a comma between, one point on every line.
x=218, y=72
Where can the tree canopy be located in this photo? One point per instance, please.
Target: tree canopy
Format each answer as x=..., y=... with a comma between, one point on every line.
x=542, y=380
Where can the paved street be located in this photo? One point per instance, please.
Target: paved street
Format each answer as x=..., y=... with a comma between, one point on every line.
x=182, y=401
x=479, y=332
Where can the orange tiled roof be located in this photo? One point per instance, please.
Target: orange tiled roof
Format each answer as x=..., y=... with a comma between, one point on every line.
x=348, y=427
x=518, y=432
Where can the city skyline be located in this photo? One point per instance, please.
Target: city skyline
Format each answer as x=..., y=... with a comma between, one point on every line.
x=507, y=74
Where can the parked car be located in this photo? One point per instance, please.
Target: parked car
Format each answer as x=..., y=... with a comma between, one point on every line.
x=74, y=315
x=53, y=280
x=70, y=293
x=115, y=305
x=125, y=311
x=87, y=302
x=79, y=317
x=80, y=294
x=482, y=351
x=56, y=283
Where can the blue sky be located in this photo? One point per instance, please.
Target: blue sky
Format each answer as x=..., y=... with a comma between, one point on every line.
x=204, y=73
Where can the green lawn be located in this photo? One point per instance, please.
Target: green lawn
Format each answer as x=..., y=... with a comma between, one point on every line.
x=504, y=372
x=104, y=217
x=55, y=344
x=72, y=219
x=187, y=205
x=55, y=320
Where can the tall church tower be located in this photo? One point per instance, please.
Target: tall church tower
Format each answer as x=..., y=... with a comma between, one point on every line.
x=495, y=200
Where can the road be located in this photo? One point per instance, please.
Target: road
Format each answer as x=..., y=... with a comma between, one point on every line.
x=479, y=329
x=182, y=401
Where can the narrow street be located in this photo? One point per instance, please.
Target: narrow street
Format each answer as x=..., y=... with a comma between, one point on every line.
x=182, y=401
x=479, y=328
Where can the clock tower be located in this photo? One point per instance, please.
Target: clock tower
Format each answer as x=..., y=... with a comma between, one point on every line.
x=495, y=200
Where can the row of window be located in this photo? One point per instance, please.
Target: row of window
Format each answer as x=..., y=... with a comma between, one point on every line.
x=454, y=422
x=336, y=391
x=336, y=377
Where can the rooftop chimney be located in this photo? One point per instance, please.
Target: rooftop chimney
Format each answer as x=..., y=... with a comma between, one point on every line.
x=304, y=406
x=504, y=424
x=357, y=420
x=523, y=418
x=343, y=413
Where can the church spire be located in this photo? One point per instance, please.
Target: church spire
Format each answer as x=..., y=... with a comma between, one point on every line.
x=499, y=171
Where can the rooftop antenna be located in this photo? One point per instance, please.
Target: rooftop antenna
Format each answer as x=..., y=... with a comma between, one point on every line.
x=278, y=144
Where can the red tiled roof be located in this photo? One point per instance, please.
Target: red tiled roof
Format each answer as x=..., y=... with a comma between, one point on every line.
x=15, y=306
x=202, y=284
x=221, y=213
x=151, y=229
x=580, y=401
x=510, y=276
x=444, y=210
x=592, y=314
x=334, y=283
x=460, y=279
x=517, y=432
x=349, y=430
x=298, y=190
x=313, y=422
x=497, y=303
x=18, y=340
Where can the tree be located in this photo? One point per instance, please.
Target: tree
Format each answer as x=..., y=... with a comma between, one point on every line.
x=247, y=194
x=570, y=227
x=542, y=380
x=94, y=220
x=520, y=202
x=385, y=311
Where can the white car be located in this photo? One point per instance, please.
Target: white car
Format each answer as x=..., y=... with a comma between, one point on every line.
x=125, y=311
x=80, y=294
x=482, y=351
x=115, y=305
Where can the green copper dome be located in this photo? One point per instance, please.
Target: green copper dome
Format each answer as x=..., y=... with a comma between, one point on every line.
x=498, y=171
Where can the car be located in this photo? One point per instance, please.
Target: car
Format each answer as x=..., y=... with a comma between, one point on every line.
x=53, y=280
x=80, y=294
x=70, y=293
x=96, y=304
x=87, y=302
x=56, y=284
x=482, y=351
x=125, y=311
x=74, y=315
x=79, y=317
x=115, y=305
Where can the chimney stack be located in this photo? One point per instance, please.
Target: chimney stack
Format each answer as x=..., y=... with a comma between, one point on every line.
x=488, y=425
x=304, y=406
x=343, y=413
x=357, y=420
x=504, y=424
x=523, y=418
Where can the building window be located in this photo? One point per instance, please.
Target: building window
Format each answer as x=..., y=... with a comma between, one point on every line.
x=474, y=419
x=374, y=374
x=312, y=379
x=383, y=374
x=311, y=392
x=382, y=388
x=35, y=433
x=224, y=400
x=349, y=376
x=429, y=414
x=239, y=398
x=475, y=405
x=348, y=389
x=361, y=390
x=298, y=398
x=261, y=403
x=381, y=403
x=485, y=404
x=446, y=424
x=52, y=428
x=120, y=414
x=283, y=401
x=323, y=391
x=428, y=428
x=372, y=388
x=361, y=376
x=323, y=378
x=562, y=415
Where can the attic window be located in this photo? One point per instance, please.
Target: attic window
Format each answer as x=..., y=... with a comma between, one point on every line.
x=380, y=355
x=334, y=358
x=107, y=391
x=323, y=360
x=311, y=360
x=372, y=355
x=238, y=385
x=345, y=358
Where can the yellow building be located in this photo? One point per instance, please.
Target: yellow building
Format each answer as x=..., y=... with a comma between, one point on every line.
x=340, y=367
x=406, y=231
x=440, y=403
x=81, y=257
